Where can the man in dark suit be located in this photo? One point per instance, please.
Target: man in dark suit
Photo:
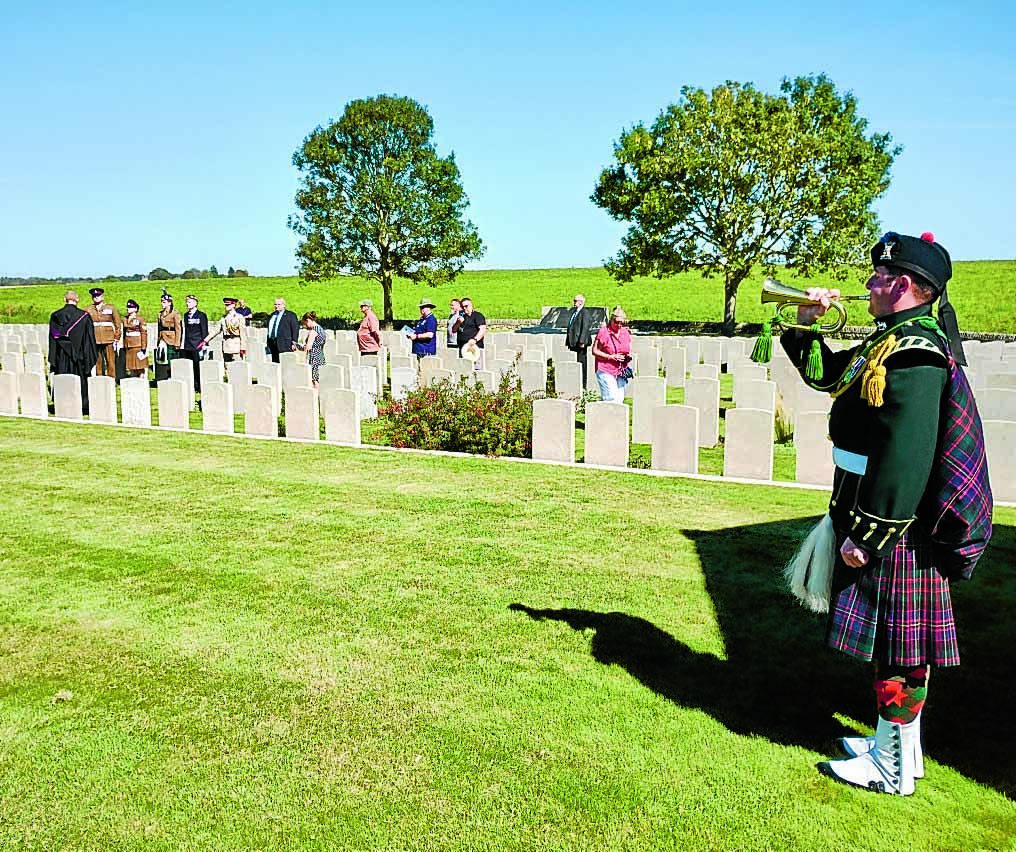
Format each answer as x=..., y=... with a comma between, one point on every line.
x=72, y=347
x=195, y=330
x=580, y=332
x=283, y=330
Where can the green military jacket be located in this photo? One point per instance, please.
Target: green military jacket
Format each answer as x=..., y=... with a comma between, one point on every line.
x=887, y=397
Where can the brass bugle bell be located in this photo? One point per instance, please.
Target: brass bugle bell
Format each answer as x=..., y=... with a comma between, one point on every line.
x=786, y=297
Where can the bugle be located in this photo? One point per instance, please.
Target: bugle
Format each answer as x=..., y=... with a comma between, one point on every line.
x=785, y=296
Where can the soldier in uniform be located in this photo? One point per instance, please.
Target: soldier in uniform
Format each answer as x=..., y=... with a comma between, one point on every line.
x=233, y=328
x=72, y=346
x=135, y=341
x=911, y=504
x=106, y=320
x=170, y=337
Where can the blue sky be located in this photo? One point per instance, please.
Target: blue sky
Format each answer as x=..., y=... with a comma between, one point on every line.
x=138, y=135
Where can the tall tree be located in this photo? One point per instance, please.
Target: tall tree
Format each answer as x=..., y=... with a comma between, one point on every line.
x=728, y=180
x=376, y=199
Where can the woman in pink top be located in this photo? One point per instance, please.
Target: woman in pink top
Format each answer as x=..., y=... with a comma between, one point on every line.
x=612, y=351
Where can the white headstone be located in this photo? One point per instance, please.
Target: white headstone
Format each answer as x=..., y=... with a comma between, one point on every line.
x=997, y=404
x=239, y=379
x=8, y=392
x=102, y=399
x=295, y=375
x=403, y=381
x=13, y=362
x=262, y=416
x=1000, y=443
x=748, y=445
x=333, y=376
x=435, y=376
x=341, y=411
x=66, y=396
x=363, y=380
x=756, y=394
x=704, y=371
x=217, y=408
x=35, y=363
x=173, y=410
x=607, y=434
x=704, y=394
x=712, y=351
x=813, y=449
x=183, y=370
x=675, y=366
x=568, y=379
x=211, y=371
x=485, y=378
x=302, y=414
x=32, y=393
x=675, y=438
x=648, y=394
x=270, y=374
x=136, y=402
x=534, y=376
x=554, y=430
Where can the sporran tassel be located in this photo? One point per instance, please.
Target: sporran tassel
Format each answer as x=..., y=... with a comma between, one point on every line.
x=813, y=369
x=763, y=351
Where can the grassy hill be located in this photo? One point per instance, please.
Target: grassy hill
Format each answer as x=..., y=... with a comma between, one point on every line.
x=984, y=293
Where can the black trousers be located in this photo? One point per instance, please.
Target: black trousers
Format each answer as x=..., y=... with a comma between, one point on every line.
x=194, y=356
x=580, y=355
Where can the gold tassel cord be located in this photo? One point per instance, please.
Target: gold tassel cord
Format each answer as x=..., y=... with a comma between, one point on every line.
x=873, y=381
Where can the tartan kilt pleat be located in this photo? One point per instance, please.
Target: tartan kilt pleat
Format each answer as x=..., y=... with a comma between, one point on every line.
x=896, y=610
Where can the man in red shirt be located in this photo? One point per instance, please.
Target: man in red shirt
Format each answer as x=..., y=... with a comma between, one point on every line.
x=368, y=335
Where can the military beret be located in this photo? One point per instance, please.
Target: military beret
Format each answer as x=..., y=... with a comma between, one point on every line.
x=921, y=255
x=131, y=303
x=228, y=300
x=96, y=291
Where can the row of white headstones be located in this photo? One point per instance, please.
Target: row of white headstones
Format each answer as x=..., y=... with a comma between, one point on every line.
x=349, y=384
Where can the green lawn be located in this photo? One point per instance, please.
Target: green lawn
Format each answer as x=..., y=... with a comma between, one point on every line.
x=984, y=293
x=230, y=644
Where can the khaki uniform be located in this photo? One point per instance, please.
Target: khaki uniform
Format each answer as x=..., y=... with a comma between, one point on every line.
x=233, y=328
x=135, y=340
x=106, y=320
x=170, y=337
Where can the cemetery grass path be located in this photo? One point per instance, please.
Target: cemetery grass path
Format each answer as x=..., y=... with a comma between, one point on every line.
x=211, y=644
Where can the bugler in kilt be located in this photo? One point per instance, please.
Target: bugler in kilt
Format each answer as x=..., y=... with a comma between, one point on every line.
x=911, y=503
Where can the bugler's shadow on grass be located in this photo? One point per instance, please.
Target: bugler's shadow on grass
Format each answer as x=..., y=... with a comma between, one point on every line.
x=781, y=682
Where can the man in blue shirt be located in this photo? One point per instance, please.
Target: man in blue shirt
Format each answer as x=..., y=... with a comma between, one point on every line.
x=424, y=334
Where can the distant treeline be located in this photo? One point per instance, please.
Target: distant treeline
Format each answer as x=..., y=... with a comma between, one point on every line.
x=157, y=274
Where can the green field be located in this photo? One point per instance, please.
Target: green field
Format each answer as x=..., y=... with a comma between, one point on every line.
x=984, y=293
x=229, y=644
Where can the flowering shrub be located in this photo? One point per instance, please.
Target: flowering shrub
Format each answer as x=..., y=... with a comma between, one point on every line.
x=460, y=418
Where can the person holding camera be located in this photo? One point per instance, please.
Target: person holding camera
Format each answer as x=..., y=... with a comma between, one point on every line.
x=612, y=351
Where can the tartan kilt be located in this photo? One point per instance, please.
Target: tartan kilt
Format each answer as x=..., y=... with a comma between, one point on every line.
x=896, y=609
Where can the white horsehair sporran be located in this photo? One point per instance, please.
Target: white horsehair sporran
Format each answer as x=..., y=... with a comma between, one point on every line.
x=809, y=574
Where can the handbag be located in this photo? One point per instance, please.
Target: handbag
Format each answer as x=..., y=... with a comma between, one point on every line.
x=626, y=373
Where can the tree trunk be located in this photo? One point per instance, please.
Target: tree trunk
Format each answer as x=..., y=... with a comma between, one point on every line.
x=729, y=304
x=386, y=288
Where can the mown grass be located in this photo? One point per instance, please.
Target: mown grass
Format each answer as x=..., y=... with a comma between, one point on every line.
x=984, y=293
x=214, y=643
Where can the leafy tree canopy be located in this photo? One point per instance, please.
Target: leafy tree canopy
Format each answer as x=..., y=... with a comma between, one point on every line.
x=735, y=178
x=376, y=199
x=160, y=274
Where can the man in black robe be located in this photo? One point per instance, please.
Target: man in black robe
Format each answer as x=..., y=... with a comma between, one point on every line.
x=72, y=348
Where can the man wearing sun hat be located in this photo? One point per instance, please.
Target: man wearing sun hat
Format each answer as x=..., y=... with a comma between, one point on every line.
x=424, y=333
x=911, y=503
